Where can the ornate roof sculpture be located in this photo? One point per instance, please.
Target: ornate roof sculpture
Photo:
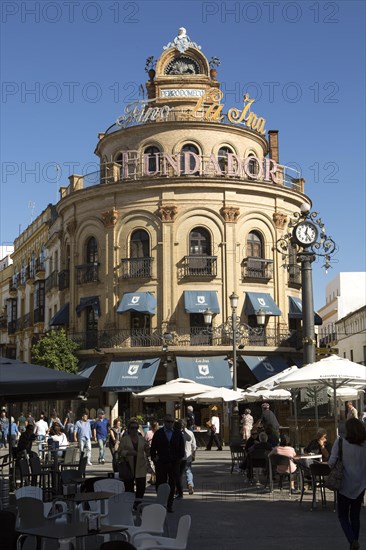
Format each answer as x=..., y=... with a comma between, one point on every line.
x=182, y=42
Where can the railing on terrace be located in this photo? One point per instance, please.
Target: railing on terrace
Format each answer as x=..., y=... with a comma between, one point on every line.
x=136, y=268
x=194, y=336
x=87, y=273
x=257, y=268
x=40, y=265
x=200, y=266
x=135, y=169
x=29, y=273
x=51, y=281
x=64, y=279
x=28, y=320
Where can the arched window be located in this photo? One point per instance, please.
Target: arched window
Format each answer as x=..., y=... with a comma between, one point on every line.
x=189, y=147
x=140, y=244
x=253, y=167
x=254, y=245
x=92, y=251
x=199, y=242
x=222, y=157
x=153, y=153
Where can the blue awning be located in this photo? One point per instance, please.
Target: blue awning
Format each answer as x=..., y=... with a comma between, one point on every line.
x=197, y=301
x=61, y=317
x=142, y=302
x=295, y=310
x=254, y=301
x=263, y=367
x=212, y=371
x=133, y=375
x=86, y=368
x=89, y=301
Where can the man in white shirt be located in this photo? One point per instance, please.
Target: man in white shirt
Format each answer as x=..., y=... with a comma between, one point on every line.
x=41, y=430
x=214, y=426
x=190, y=446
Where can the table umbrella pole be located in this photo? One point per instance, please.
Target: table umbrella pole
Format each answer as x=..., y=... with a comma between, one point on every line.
x=316, y=409
x=335, y=406
x=294, y=401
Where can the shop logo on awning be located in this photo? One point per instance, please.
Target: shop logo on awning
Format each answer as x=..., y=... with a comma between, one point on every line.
x=201, y=299
x=132, y=369
x=262, y=302
x=203, y=370
x=135, y=299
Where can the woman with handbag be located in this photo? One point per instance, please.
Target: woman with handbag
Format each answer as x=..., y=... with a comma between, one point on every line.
x=115, y=435
x=132, y=455
x=353, y=484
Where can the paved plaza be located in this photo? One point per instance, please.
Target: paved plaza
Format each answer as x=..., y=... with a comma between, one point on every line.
x=227, y=513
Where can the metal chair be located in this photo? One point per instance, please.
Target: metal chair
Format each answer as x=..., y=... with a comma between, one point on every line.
x=278, y=460
x=257, y=460
x=237, y=457
x=319, y=473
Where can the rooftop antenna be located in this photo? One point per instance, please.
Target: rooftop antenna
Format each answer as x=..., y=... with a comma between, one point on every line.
x=31, y=206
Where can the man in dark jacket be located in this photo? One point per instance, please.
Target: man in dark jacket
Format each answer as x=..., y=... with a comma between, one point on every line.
x=167, y=450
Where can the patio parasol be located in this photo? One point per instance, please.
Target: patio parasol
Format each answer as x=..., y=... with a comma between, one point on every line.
x=333, y=372
x=216, y=394
x=175, y=390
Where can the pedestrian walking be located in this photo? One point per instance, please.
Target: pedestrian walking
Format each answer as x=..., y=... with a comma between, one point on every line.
x=115, y=435
x=150, y=463
x=69, y=424
x=4, y=427
x=268, y=418
x=247, y=422
x=214, y=427
x=41, y=430
x=352, y=490
x=191, y=420
x=167, y=450
x=14, y=433
x=83, y=435
x=351, y=411
x=101, y=429
x=22, y=422
x=190, y=447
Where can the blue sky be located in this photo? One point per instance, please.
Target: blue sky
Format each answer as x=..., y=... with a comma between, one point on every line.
x=68, y=68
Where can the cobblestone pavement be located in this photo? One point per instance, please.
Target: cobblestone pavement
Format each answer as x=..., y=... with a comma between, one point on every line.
x=227, y=513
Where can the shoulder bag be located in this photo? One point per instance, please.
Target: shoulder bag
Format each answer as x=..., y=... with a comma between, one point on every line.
x=334, y=479
x=125, y=472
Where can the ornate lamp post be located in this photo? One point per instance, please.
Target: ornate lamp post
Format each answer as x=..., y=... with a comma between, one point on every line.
x=236, y=331
x=305, y=242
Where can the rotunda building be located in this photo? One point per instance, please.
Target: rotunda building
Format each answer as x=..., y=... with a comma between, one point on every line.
x=186, y=209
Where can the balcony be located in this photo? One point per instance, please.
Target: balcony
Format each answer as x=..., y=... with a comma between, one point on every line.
x=28, y=320
x=199, y=266
x=87, y=273
x=64, y=279
x=38, y=314
x=52, y=281
x=29, y=275
x=11, y=327
x=181, y=338
x=13, y=285
x=257, y=269
x=294, y=276
x=19, y=324
x=40, y=267
x=136, y=268
x=3, y=323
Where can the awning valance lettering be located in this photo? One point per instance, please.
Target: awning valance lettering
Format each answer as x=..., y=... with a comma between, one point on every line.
x=132, y=375
x=142, y=302
x=197, y=301
x=89, y=301
x=255, y=301
x=263, y=367
x=212, y=371
x=295, y=310
x=61, y=317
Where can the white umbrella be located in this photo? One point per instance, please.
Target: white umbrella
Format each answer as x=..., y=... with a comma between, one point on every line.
x=217, y=394
x=173, y=391
x=265, y=395
x=269, y=383
x=333, y=372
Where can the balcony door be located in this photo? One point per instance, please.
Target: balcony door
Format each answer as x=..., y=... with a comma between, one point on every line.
x=199, y=247
x=91, y=328
x=140, y=329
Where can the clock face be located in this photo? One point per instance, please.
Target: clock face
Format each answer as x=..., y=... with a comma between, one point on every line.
x=306, y=233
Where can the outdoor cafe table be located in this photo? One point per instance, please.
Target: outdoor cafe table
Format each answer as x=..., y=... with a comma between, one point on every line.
x=80, y=498
x=62, y=532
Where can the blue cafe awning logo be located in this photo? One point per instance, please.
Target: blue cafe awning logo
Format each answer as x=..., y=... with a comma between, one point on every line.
x=201, y=299
x=203, y=370
x=132, y=369
x=135, y=299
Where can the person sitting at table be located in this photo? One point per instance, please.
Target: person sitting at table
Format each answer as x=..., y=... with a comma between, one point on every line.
x=320, y=445
x=60, y=437
x=284, y=449
x=26, y=440
x=252, y=440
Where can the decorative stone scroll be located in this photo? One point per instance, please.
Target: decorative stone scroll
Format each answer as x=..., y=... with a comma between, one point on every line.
x=280, y=220
x=168, y=213
x=71, y=227
x=230, y=213
x=110, y=217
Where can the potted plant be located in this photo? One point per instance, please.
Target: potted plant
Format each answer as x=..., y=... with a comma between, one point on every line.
x=150, y=67
x=214, y=63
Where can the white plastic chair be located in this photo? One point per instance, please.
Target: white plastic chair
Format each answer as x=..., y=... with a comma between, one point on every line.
x=150, y=542
x=152, y=522
x=111, y=485
x=120, y=512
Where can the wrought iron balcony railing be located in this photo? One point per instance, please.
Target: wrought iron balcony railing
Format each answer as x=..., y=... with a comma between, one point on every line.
x=51, y=281
x=87, y=273
x=133, y=268
x=40, y=265
x=184, y=337
x=11, y=327
x=257, y=268
x=29, y=274
x=3, y=322
x=28, y=320
x=200, y=266
x=38, y=314
x=19, y=324
x=64, y=279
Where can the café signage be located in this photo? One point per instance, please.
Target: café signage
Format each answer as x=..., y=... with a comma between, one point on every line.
x=181, y=92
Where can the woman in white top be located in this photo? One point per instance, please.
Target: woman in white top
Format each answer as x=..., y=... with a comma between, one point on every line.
x=351, y=493
x=57, y=435
x=214, y=426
